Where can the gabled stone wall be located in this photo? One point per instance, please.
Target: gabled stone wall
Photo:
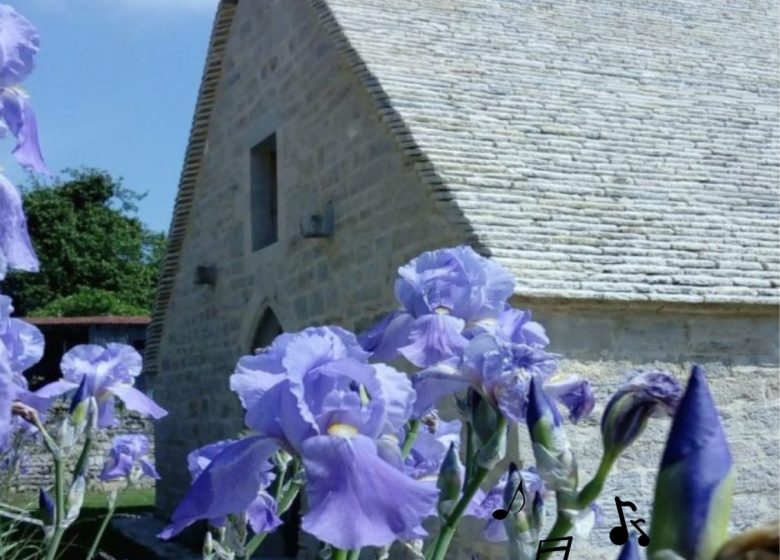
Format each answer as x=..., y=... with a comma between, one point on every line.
x=283, y=74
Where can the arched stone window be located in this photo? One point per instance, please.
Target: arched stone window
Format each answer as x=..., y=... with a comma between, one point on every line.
x=268, y=328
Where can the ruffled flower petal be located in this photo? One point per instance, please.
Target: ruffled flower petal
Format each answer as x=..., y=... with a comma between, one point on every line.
x=261, y=514
x=19, y=41
x=385, y=338
x=575, y=392
x=228, y=485
x=18, y=114
x=7, y=395
x=16, y=250
x=434, y=338
x=347, y=475
x=436, y=382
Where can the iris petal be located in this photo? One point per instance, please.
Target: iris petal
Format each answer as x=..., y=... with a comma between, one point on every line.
x=16, y=250
x=385, y=338
x=139, y=402
x=262, y=514
x=347, y=475
x=228, y=485
x=18, y=114
x=7, y=393
x=19, y=42
x=434, y=338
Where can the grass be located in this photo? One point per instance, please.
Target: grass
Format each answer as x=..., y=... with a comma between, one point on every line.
x=79, y=536
x=133, y=499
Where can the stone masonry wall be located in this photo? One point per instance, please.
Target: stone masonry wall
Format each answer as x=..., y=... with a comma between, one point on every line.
x=739, y=351
x=37, y=469
x=332, y=146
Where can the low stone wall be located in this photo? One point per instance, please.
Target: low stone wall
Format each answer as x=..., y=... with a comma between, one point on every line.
x=36, y=468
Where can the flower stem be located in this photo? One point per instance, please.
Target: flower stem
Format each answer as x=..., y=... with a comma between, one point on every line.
x=59, y=511
x=411, y=436
x=112, y=501
x=592, y=489
x=586, y=496
x=448, y=530
x=562, y=523
x=81, y=465
x=339, y=554
x=469, y=453
x=354, y=554
x=253, y=543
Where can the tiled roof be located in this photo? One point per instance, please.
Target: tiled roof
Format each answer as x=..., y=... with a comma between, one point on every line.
x=96, y=320
x=608, y=150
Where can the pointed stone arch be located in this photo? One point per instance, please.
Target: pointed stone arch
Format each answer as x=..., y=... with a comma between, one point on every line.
x=267, y=329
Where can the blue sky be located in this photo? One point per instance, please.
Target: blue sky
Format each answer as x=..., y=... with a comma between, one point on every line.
x=114, y=88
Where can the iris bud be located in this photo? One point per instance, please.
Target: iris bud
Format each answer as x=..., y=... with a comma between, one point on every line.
x=695, y=482
x=627, y=412
x=79, y=405
x=450, y=481
x=484, y=416
x=552, y=451
x=45, y=508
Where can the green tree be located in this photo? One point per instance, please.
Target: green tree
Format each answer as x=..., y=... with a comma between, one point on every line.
x=96, y=257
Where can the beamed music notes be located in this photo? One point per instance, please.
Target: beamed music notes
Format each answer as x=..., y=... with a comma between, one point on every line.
x=619, y=534
x=546, y=549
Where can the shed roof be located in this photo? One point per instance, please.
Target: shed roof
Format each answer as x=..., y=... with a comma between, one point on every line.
x=88, y=321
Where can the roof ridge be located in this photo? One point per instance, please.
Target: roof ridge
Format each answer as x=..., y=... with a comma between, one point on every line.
x=212, y=71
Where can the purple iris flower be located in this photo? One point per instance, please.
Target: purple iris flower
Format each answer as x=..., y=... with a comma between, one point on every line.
x=442, y=293
x=513, y=325
x=314, y=394
x=501, y=371
x=128, y=459
x=21, y=347
x=261, y=513
x=16, y=250
x=23, y=341
x=696, y=479
x=18, y=44
x=110, y=372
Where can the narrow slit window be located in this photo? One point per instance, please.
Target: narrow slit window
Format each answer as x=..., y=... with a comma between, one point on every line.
x=264, y=194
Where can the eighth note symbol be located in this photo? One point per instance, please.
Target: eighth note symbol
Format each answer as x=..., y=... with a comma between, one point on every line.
x=619, y=535
x=502, y=513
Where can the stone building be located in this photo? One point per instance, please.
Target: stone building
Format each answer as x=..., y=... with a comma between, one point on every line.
x=621, y=158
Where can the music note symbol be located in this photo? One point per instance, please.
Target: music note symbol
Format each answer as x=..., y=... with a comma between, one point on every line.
x=545, y=550
x=619, y=535
x=502, y=513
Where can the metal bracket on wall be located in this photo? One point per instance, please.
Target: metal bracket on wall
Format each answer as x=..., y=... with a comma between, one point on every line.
x=320, y=225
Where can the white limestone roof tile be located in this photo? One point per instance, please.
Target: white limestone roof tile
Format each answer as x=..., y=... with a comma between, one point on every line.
x=600, y=149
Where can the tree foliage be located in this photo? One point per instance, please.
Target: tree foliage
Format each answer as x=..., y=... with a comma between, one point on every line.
x=97, y=258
